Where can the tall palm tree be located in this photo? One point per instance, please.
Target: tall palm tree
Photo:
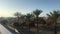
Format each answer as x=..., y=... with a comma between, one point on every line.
x=17, y=14
x=28, y=16
x=53, y=16
x=37, y=13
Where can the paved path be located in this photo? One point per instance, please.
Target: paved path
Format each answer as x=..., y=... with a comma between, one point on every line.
x=12, y=31
x=3, y=30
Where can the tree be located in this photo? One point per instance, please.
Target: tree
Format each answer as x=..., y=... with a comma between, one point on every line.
x=28, y=16
x=53, y=17
x=17, y=14
x=32, y=24
x=37, y=13
x=4, y=21
x=42, y=21
x=18, y=24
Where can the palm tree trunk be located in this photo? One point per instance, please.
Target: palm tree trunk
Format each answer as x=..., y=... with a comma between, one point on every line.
x=18, y=19
x=54, y=22
x=55, y=29
x=29, y=27
x=37, y=26
x=55, y=25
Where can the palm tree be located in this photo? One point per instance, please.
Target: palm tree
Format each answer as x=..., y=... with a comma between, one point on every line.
x=53, y=16
x=28, y=17
x=17, y=24
x=17, y=14
x=37, y=13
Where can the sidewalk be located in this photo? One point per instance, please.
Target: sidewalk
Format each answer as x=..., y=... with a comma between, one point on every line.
x=12, y=31
x=3, y=30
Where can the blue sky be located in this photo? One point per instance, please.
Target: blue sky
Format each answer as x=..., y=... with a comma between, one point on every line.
x=9, y=7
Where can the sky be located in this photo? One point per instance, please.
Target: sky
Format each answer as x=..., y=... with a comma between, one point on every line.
x=9, y=7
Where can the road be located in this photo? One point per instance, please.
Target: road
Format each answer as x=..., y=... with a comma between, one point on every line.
x=3, y=30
